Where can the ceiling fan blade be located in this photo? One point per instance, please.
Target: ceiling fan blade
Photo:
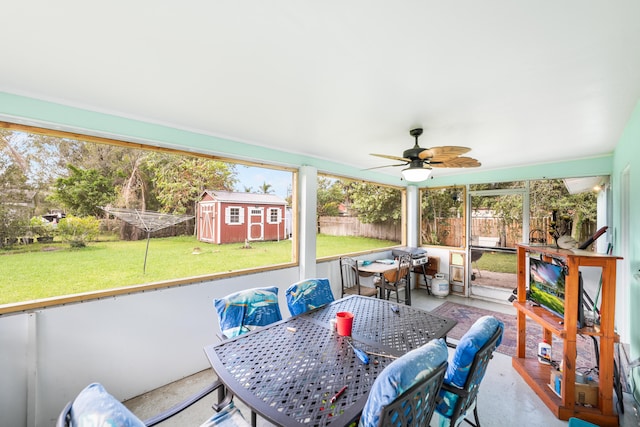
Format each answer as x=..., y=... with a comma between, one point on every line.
x=387, y=156
x=442, y=154
x=385, y=166
x=458, y=162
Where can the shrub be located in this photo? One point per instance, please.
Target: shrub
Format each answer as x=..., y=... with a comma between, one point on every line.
x=78, y=231
x=42, y=229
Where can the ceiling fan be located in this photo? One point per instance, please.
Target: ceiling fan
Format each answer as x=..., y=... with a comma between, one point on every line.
x=421, y=160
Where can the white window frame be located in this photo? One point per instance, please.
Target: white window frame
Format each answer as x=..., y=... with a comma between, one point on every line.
x=278, y=216
x=228, y=215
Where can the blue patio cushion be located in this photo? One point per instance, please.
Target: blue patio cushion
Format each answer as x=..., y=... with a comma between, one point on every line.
x=247, y=310
x=458, y=370
x=399, y=376
x=94, y=407
x=308, y=294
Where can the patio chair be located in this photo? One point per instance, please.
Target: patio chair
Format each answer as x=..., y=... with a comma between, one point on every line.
x=351, y=279
x=246, y=310
x=577, y=422
x=405, y=392
x=397, y=279
x=308, y=294
x=94, y=405
x=241, y=312
x=466, y=370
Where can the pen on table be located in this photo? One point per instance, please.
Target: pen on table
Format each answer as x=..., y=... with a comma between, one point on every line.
x=337, y=395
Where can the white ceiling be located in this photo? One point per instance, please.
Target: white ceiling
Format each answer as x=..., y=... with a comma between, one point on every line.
x=519, y=82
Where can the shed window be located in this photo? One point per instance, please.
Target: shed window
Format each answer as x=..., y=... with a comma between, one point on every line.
x=234, y=215
x=274, y=216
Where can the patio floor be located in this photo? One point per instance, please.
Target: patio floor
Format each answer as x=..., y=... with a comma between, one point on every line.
x=504, y=398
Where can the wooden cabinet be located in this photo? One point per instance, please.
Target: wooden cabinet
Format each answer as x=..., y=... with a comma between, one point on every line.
x=537, y=375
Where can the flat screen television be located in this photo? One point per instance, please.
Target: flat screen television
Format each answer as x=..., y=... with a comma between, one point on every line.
x=547, y=288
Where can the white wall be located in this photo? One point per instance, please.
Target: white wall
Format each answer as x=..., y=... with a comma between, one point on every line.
x=131, y=343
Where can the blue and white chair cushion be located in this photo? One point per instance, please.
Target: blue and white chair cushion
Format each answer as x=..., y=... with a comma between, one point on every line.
x=399, y=376
x=458, y=370
x=308, y=294
x=94, y=406
x=247, y=310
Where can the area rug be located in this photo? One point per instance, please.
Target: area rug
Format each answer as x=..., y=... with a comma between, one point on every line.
x=467, y=315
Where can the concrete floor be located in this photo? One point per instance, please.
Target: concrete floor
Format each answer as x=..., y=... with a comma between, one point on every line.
x=504, y=398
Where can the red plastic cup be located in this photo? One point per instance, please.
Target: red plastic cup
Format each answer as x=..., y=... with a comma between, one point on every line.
x=344, y=323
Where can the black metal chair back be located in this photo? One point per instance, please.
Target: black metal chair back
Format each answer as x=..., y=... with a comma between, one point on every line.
x=415, y=406
x=397, y=279
x=468, y=394
x=65, y=416
x=351, y=279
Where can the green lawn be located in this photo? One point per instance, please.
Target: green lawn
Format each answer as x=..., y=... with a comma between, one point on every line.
x=499, y=262
x=55, y=270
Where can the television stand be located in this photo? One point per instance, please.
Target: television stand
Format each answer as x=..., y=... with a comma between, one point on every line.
x=537, y=375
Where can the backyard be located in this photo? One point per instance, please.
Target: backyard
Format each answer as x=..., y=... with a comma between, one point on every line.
x=38, y=271
x=500, y=262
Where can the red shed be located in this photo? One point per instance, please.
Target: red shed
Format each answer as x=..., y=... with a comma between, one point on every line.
x=228, y=217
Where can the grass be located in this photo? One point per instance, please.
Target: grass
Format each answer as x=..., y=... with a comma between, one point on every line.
x=499, y=262
x=43, y=271
x=335, y=245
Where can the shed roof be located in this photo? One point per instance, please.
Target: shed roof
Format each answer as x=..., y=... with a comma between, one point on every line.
x=237, y=197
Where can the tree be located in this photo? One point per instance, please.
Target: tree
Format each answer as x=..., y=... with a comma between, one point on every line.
x=84, y=191
x=266, y=188
x=330, y=195
x=78, y=231
x=179, y=180
x=375, y=203
x=545, y=197
x=10, y=154
x=438, y=206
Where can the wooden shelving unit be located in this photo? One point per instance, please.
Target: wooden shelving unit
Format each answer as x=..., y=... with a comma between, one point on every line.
x=536, y=374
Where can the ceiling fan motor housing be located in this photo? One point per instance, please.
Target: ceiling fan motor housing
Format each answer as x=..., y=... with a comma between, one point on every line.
x=417, y=157
x=413, y=152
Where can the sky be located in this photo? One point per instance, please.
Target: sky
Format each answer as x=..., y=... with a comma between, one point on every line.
x=253, y=177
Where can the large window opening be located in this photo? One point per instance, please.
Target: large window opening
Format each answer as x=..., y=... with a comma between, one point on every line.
x=79, y=215
x=537, y=212
x=443, y=217
x=356, y=216
x=498, y=218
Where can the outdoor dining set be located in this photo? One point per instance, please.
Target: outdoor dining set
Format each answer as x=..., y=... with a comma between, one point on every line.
x=355, y=360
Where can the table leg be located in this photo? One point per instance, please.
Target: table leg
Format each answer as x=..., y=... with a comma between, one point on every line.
x=408, y=287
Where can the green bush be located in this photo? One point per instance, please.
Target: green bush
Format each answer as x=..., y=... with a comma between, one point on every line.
x=78, y=231
x=42, y=229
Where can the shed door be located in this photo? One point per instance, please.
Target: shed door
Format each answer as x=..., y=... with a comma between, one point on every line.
x=256, y=224
x=206, y=228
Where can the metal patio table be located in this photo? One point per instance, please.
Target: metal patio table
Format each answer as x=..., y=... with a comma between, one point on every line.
x=288, y=372
x=379, y=268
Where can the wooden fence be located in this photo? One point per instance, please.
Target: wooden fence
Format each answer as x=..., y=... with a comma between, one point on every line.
x=451, y=231
x=351, y=226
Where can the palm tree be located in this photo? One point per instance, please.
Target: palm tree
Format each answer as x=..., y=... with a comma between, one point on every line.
x=266, y=188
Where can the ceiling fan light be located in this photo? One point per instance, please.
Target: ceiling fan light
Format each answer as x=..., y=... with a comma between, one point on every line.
x=414, y=174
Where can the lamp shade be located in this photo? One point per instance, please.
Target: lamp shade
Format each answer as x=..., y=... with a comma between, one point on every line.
x=416, y=174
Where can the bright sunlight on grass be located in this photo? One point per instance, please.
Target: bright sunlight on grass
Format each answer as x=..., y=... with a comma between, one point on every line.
x=499, y=262
x=58, y=270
